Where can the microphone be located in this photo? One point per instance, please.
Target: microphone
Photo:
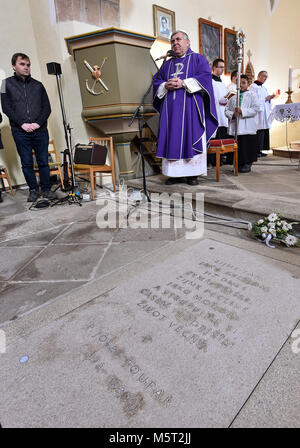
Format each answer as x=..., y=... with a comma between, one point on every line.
x=169, y=54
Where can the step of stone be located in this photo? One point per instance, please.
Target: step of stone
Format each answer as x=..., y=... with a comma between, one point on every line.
x=293, y=153
x=295, y=145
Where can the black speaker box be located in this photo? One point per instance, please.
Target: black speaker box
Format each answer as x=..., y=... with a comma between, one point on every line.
x=91, y=154
x=54, y=68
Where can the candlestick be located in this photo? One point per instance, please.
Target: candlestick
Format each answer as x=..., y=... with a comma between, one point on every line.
x=289, y=100
x=290, y=78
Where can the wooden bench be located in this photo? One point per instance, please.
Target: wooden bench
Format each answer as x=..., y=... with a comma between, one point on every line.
x=224, y=146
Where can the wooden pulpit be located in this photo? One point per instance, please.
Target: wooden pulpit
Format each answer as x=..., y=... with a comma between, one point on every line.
x=115, y=69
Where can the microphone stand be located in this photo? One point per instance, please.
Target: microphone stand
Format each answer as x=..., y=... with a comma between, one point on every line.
x=139, y=116
x=72, y=188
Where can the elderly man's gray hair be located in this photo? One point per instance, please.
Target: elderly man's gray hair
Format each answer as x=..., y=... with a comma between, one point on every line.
x=185, y=36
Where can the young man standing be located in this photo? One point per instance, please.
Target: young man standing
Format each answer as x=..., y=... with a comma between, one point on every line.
x=232, y=87
x=263, y=132
x=220, y=92
x=246, y=117
x=25, y=102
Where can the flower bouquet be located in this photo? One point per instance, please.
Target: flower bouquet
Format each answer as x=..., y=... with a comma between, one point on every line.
x=275, y=228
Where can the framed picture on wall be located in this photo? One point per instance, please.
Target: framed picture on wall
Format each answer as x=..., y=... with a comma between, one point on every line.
x=210, y=39
x=164, y=22
x=230, y=51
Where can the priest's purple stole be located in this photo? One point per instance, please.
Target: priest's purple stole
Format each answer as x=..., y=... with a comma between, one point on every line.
x=183, y=116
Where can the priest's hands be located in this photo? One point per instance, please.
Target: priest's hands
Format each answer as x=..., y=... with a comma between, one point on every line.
x=174, y=84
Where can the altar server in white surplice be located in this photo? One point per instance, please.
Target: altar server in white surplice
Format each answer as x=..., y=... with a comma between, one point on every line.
x=246, y=116
x=263, y=133
x=220, y=92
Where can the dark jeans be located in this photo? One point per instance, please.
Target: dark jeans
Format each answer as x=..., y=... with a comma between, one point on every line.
x=39, y=142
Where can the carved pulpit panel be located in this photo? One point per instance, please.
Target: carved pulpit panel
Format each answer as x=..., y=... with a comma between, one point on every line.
x=115, y=69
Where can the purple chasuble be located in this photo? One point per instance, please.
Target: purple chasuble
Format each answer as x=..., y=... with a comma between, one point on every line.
x=184, y=117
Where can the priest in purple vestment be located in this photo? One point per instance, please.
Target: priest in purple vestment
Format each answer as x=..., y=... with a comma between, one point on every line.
x=183, y=95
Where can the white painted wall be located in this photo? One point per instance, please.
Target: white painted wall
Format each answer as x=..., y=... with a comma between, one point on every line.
x=52, y=48
x=137, y=15
x=29, y=26
x=16, y=36
x=285, y=51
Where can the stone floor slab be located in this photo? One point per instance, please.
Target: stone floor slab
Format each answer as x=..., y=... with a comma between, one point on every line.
x=182, y=345
x=17, y=226
x=63, y=262
x=84, y=233
x=20, y=298
x=40, y=239
x=123, y=253
x=275, y=402
x=12, y=260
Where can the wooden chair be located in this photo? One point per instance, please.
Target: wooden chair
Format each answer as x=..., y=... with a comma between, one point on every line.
x=4, y=175
x=55, y=166
x=91, y=170
x=219, y=147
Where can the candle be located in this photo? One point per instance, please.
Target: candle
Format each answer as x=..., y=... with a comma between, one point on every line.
x=290, y=78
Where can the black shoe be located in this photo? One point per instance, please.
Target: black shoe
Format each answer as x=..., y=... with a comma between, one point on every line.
x=192, y=180
x=174, y=180
x=48, y=194
x=1, y=200
x=246, y=168
x=33, y=195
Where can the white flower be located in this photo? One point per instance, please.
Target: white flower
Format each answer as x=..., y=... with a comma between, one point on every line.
x=271, y=225
x=290, y=226
x=273, y=232
x=272, y=217
x=285, y=227
x=261, y=221
x=279, y=223
x=264, y=229
x=264, y=235
x=291, y=240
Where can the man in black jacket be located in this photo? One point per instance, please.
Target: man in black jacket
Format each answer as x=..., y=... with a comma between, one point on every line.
x=25, y=102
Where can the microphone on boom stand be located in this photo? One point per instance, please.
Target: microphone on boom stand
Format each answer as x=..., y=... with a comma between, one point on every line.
x=70, y=184
x=139, y=116
x=169, y=54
